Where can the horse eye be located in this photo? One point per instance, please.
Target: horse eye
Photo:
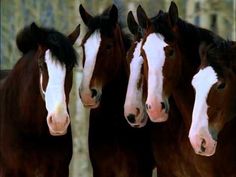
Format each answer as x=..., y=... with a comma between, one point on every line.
x=169, y=51
x=221, y=86
x=109, y=46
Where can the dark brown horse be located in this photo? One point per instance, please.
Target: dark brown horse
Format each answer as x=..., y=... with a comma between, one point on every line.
x=175, y=71
x=134, y=109
x=115, y=148
x=165, y=137
x=35, y=135
x=215, y=102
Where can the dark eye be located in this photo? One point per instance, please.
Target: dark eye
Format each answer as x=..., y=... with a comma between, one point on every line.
x=169, y=51
x=221, y=86
x=41, y=63
x=109, y=46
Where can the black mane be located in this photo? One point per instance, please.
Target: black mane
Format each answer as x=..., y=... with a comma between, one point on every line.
x=160, y=23
x=221, y=54
x=102, y=22
x=188, y=31
x=105, y=25
x=56, y=42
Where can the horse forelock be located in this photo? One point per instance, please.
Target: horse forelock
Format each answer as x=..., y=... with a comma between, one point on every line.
x=56, y=42
x=61, y=48
x=220, y=55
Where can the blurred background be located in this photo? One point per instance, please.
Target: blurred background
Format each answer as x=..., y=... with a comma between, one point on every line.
x=63, y=15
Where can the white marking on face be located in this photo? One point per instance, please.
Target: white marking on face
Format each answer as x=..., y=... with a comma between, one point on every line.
x=154, y=50
x=202, y=83
x=41, y=86
x=55, y=98
x=134, y=94
x=91, y=48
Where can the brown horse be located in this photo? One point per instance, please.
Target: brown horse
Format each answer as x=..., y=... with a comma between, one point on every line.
x=175, y=71
x=215, y=102
x=115, y=148
x=35, y=135
x=165, y=137
x=134, y=109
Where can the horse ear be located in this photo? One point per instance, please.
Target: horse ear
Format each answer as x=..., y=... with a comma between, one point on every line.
x=142, y=18
x=173, y=13
x=203, y=50
x=86, y=17
x=74, y=35
x=113, y=14
x=38, y=33
x=132, y=24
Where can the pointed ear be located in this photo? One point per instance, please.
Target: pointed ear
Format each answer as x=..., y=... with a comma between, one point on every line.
x=132, y=24
x=86, y=17
x=173, y=13
x=203, y=50
x=113, y=14
x=74, y=35
x=143, y=20
x=38, y=34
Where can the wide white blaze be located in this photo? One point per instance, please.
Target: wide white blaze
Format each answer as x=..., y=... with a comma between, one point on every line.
x=134, y=95
x=91, y=47
x=202, y=83
x=154, y=50
x=55, y=93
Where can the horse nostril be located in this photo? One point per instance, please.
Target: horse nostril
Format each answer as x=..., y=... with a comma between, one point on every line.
x=67, y=120
x=50, y=120
x=131, y=118
x=147, y=106
x=203, y=145
x=137, y=111
x=163, y=105
x=94, y=92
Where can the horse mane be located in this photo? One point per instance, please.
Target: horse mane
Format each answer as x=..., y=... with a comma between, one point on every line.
x=25, y=40
x=160, y=22
x=56, y=42
x=220, y=54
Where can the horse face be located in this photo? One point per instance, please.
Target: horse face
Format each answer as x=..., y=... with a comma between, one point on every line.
x=102, y=53
x=152, y=51
x=55, y=79
x=90, y=90
x=161, y=60
x=199, y=134
x=52, y=83
x=134, y=110
x=215, y=102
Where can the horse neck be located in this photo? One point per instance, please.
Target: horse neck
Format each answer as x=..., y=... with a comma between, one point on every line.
x=115, y=90
x=22, y=86
x=189, y=40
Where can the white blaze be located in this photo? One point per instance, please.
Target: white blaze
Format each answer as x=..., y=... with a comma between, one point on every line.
x=91, y=47
x=154, y=50
x=199, y=134
x=134, y=95
x=55, y=94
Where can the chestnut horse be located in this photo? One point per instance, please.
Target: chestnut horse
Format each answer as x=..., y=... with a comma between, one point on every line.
x=175, y=71
x=215, y=101
x=116, y=149
x=134, y=109
x=35, y=133
x=165, y=138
